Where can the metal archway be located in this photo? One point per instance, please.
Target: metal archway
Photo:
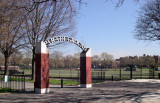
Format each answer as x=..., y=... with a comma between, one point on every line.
x=42, y=64
x=67, y=39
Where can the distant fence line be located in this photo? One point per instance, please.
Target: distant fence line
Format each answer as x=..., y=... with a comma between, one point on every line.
x=111, y=74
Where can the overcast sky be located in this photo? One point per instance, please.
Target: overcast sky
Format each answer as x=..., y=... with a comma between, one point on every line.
x=103, y=28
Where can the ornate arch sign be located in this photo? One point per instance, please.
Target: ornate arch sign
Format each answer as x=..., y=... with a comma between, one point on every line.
x=64, y=38
x=42, y=64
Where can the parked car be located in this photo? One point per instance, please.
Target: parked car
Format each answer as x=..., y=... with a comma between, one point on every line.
x=128, y=69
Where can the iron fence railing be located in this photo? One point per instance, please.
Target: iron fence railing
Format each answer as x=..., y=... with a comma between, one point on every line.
x=14, y=83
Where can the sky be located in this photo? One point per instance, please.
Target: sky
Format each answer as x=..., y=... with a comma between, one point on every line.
x=104, y=28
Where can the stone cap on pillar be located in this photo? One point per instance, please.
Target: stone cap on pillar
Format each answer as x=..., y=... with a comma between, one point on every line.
x=41, y=47
x=86, y=53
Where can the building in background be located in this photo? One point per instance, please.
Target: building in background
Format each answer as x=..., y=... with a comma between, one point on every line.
x=145, y=60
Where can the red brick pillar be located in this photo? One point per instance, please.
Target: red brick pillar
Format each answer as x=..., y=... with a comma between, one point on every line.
x=42, y=68
x=85, y=69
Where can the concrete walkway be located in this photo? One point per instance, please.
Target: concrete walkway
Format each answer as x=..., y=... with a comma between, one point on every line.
x=132, y=91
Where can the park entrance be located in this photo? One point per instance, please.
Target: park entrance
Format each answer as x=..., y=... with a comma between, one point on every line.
x=42, y=64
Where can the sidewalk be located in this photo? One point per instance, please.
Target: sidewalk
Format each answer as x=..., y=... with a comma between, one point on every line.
x=107, y=92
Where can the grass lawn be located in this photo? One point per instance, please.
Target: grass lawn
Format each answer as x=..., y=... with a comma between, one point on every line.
x=65, y=82
x=52, y=81
x=108, y=73
x=59, y=72
x=4, y=90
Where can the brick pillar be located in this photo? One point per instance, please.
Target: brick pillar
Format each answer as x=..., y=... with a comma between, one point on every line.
x=42, y=68
x=85, y=69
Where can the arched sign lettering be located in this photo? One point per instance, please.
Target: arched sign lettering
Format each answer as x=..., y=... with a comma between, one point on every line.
x=64, y=38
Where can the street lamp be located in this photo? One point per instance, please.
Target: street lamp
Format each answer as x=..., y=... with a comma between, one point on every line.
x=101, y=70
x=79, y=74
x=120, y=74
x=131, y=68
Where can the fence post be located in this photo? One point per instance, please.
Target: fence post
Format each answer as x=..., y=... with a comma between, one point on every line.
x=10, y=82
x=130, y=71
x=61, y=83
x=98, y=75
x=1, y=80
x=120, y=73
x=19, y=82
x=78, y=76
x=153, y=71
x=141, y=72
x=104, y=75
x=101, y=73
x=24, y=82
x=92, y=76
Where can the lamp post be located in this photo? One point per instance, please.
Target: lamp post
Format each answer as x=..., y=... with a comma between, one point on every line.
x=153, y=71
x=70, y=69
x=131, y=67
x=141, y=71
x=120, y=73
x=78, y=74
x=101, y=70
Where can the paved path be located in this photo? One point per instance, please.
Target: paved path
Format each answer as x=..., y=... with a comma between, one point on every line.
x=134, y=91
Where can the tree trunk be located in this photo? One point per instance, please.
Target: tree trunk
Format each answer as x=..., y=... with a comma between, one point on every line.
x=33, y=64
x=6, y=65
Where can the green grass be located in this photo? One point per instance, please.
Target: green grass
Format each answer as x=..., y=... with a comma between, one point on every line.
x=59, y=72
x=63, y=73
x=51, y=81
x=5, y=90
x=108, y=72
x=65, y=82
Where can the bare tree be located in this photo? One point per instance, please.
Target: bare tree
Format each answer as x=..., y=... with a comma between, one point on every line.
x=148, y=22
x=106, y=59
x=125, y=61
x=119, y=3
x=1, y=59
x=56, y=59
x=149, y=61
x=68, y=61
x=47, y=19
x=11, y=32
x=105, y=56
x=27, y=60
x=95, y=61
x=16, y=58
x=76, y=60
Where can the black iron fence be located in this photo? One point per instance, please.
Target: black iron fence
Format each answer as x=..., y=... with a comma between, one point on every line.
x=13, y=83
x=125, y=74
x=96, y=76
x=113, y=74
